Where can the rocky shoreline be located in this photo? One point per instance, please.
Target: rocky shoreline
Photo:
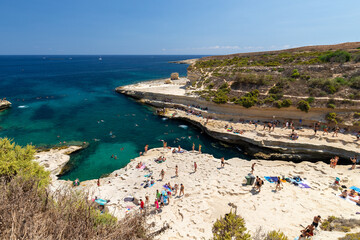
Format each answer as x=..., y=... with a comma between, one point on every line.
x=257, y=144
x=212, y=191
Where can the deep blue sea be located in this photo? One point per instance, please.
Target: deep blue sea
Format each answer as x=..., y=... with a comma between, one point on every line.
x=72, y=98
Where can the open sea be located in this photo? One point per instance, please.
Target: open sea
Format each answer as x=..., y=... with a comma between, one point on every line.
x=72, y=98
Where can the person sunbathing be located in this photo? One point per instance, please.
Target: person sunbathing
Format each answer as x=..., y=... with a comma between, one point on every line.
x=344, y=194
x=139, y=165
x=352, y=193
x=357, y=201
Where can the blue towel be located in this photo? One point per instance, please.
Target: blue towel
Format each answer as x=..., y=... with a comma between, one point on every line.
x=274, y=179
x=268, y=179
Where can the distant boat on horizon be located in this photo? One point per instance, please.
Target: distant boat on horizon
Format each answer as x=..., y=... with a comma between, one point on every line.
x=100, y=58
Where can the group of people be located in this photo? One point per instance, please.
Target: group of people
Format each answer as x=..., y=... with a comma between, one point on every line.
x=163, y=197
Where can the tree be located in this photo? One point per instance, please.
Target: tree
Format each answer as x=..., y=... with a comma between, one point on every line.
x=231, y=226
x=15, y=160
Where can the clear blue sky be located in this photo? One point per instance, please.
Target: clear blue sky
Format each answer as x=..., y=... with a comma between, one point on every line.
x=173, y=26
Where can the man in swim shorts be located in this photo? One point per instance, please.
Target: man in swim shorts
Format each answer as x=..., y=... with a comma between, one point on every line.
x=316, y=221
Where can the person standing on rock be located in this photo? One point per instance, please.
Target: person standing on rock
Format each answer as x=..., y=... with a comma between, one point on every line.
x=317, y=220
x=222, y=162
x=98, y=182
x=181, y=190
x=195, y=166
x=146, y=148
x=142, y=205
x=162, y=174
x=176, y=171
x=157, y=205
x=146, y=200
x=199, y=148
x=176, y=187
x=278, y=184
x=193, y=147
x=252, y=168
x=353, y=160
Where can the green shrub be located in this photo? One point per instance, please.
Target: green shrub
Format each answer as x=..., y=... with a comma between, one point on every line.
x=210, y=86
x=326, y=224
x=220, y=98
x=338, y=56
x=224, y=86
x=233, y=99
x=286, y=103
x=278, y=104
x=310, y=99
x=356, y=58
x=249, y=100
x=356, y=123
x=303, y=106
x=357, y=115
x=351, y=236
x=276, y=235
x=15, y=159
x=355, y=82
x=295, y=74
x=331, y=105
x=230, y=227
x=331, y=117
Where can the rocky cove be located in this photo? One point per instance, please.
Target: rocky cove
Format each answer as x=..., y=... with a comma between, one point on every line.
x=258, y=144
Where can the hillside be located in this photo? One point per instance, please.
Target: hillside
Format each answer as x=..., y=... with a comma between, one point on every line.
x=315, y=76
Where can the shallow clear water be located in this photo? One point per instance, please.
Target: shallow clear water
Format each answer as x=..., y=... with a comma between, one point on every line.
x=64, y=98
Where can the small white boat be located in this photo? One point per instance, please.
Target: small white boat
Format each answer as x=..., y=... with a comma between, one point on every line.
x=23, y=106
x=183, y=126
x=100, y=58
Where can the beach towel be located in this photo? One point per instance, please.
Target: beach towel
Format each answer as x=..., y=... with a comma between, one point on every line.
x=268, y=179
x=355, y=188
x=167, y=187
x=148, y=175
x=275, y=179
x=142, y=167
x=100, y=201
x=271, y=179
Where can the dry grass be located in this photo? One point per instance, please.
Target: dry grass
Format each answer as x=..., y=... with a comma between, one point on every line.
x=27, y=212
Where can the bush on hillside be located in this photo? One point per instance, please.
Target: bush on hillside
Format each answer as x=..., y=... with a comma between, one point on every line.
x=220, y=97
x=351, y=236
x=338, y=56
x=303, y=106
x=310, y=99
x=249, y=100
x=276, y=235
x=230, y=227
x=15, y=160
x=295, y=74
x=331, y=117
x=331, y=105
x=355, y=82
x=28, y=213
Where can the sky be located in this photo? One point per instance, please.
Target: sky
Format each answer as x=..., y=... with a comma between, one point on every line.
x=198, y=27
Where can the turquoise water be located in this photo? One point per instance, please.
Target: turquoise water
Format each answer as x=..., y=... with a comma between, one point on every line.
x=72, y=98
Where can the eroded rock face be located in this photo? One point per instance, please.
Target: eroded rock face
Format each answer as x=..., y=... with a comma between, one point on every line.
x=55, y=159
x=4, y=104
x=174, y=76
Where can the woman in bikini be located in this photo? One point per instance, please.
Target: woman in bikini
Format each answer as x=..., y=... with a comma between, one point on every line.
x=278, y=184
